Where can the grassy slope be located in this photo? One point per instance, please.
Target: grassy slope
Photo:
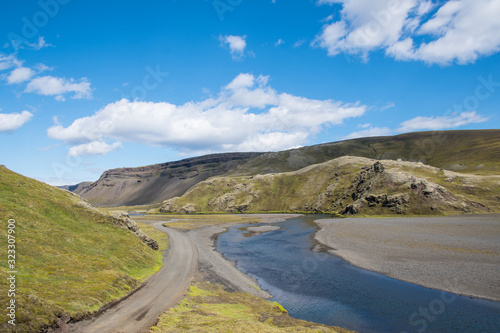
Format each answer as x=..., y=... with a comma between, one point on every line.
x=328, y=187
x=70, y=260
x=475, y=152
x=208, y=308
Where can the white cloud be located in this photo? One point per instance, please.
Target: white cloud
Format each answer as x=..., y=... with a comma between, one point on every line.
x=227, y=122
x=365, y=25
x=443, y=122
x=58, y=87
x=372, y=131
x=43, y=85
x=460, y=31
x=8, y=61
x=12, y=121
x=279, y=42
x=299, y=43
x=47, y=148
x=237, y=45
x=19, y=75
x=94, y=148
x=23, y=44
x=388, y=105
x=40, y=44
x=244, y=80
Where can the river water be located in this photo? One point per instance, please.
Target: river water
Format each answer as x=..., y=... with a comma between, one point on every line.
x=323, y=288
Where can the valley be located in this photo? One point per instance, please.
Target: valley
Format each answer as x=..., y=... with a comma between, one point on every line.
x=165, y=248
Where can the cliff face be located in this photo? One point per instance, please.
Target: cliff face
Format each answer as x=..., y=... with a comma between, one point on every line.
x=155, y=183
x=347, y=185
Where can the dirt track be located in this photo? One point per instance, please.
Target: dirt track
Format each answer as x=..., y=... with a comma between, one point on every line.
x=165, y=289
x=140, y=311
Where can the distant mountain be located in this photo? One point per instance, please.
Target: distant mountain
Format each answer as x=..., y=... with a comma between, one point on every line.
x=78, y=188
x=155, y=183
x=474, y=152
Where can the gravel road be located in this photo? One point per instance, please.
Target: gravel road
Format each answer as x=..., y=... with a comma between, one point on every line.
x=138, y=312
x=189, y=255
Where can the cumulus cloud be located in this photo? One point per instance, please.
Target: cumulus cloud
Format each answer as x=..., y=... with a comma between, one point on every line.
x=443, y=122
x=236, y=44
x=459, y=31
x=12, y=121
x=246, y=115
x=58, y=87
x=19, y=75
x=43, y=85
x=94, y=148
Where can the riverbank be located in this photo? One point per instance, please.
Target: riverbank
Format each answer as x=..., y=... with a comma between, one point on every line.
x=213, y=267
x=240, y=304
x=459, y=254
x=203, y=230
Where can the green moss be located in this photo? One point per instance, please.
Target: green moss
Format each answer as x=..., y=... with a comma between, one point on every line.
x=208, y=308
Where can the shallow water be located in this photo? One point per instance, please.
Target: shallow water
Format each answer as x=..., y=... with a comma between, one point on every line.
x=323, y=288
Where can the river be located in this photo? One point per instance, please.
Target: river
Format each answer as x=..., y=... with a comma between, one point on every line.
x=323, y=288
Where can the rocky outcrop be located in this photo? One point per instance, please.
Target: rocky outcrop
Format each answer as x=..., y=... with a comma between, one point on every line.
x=423, y=193
x=123, y=220
x=347, y=185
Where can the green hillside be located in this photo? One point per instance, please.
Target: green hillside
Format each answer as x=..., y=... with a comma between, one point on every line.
x=346, y=185
x=476, y=152
x=70, y=259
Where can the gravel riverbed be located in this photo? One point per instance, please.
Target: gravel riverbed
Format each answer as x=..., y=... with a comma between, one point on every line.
x=460, y=254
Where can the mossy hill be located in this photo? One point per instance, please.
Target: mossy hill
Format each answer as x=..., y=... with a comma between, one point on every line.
x=70, y=259
x=346, y=185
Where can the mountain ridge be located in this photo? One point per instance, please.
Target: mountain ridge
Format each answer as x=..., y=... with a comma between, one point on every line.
x=467, y=151
x=155, y=183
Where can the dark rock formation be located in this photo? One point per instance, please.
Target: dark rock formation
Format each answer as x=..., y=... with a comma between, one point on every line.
x=123, y=220
x=155, y=183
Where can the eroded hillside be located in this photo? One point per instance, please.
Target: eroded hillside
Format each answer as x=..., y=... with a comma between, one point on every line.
x=346, y=185
x=155, y=183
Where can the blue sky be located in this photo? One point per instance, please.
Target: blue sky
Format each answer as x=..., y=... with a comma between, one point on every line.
x=87, y=86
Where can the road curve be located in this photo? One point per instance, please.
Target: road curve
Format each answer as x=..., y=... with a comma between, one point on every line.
x=165, y=289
